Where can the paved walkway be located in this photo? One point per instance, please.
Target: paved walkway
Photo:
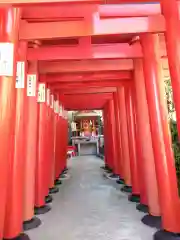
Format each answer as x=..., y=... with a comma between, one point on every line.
x=91, y=207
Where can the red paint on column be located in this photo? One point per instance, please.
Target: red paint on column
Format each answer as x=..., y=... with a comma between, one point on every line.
x=161, y=141
x=51, y=147
x=41, y=163
x=148, y=182
x=108, y=149
x=113, y=136
x=9, y=27
x=130, y=113
x=118, y=134
x=31, y=153
x=125, y=144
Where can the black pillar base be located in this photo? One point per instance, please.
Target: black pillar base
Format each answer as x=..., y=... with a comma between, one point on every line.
x=106, y=167
x=63, y=176
x=152, y=221
x=142, y=208
x=127, y=189
x=31, y=224
x=134, y=198
x=57, y=182
x=53, y=190
x=42, y=210
x=108, y=171
x=22, y=236
x=65, y=170
x=120, y=181
x=48, y=199
x=164, y=235
x=113, y=176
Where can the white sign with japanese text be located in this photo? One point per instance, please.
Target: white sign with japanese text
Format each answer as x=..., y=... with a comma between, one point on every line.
x=20, y=75
x=6, y=59
x=48, y=96
x=60, y=110
x=31, y=85
x=52, y=101
x=42, y=92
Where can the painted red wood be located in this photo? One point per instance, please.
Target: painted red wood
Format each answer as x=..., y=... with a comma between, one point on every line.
x=79, y=28
x=104, y=51
x=86, y=77
x=85, y=66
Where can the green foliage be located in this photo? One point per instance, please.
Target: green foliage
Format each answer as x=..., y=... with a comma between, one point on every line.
x=176, y=149
x=173, y=127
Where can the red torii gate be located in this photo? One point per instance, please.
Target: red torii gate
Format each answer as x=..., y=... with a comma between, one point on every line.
x=63, y=67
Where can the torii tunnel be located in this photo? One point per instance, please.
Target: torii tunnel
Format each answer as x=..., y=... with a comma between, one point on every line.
x=113, y=55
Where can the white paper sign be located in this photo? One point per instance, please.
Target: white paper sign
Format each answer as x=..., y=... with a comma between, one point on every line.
x=20, y=77
x=65, y=114
x=60, y=110
x=31, y=85
x=48, y=96
x=42, y=92
x=6, y=59
x=63, y=111
x=52, y=101
x=54, y=106
x=57, y=106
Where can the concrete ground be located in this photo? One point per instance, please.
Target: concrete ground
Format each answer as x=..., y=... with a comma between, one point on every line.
x=90, y=207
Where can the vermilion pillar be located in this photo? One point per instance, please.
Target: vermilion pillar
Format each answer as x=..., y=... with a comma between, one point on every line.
x=106, y=156
x=130, y=113
x=31, y=149
x=58, y=158
x=65, y=142
x=11, y=122
x=52, y=129
x=170, y=9
x=41, y=163
x=125, y=144
x=113, y=143
x=14, y=209
x=162, y=147
x=118, y=134
x=58, y=149
x=148, y=182
x=108, y=149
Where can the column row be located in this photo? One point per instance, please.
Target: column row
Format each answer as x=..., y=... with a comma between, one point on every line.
x=33, y=136
x=140, y=142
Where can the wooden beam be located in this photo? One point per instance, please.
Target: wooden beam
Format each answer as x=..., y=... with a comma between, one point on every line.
x=32, y=2
x=85, y=66
x=129, y=10
x=56, y=12
x=85, y=77
x=92, y=84
x=80, y=11
x=89, y=90
x=49, y=30
x=101, y=51
x=85, y=101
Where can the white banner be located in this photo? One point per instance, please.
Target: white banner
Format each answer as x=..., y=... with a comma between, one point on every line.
x=42, y=92
x=31, y=85
x=6, y=59
x=52, y=101
x=60, y=110
x=48, y=96
x=57, y=106
x=65, y=114
x=54, y=106
x=20, y=75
